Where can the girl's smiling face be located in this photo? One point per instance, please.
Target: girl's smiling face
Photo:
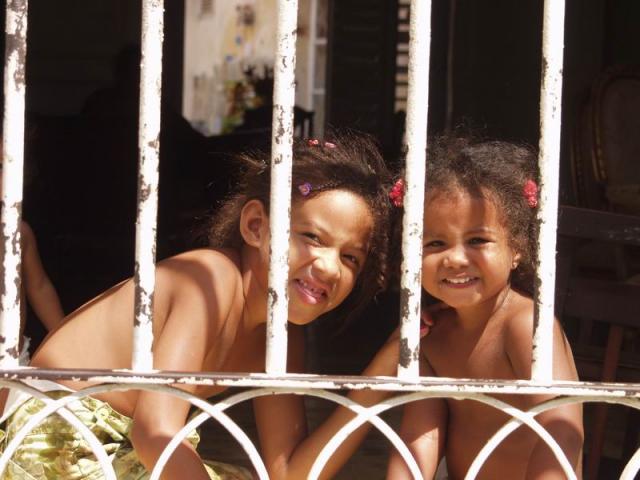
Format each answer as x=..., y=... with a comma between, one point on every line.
x=330, y=236
x=467, y=255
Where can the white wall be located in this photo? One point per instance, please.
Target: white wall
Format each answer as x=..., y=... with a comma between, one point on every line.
x=218, y=47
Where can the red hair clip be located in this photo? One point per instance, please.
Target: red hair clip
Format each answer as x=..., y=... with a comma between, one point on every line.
x=530, y=192
x=314, y=142
x=397, y=193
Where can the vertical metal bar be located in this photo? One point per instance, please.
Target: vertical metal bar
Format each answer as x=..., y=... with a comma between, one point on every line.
x=417, y=111
x=549, y=161
x=280, y=209
x=12, y=172
x=149, y=147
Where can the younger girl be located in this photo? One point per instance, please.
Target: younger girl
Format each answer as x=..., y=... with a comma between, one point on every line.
x=479, y=243
x=209, y=315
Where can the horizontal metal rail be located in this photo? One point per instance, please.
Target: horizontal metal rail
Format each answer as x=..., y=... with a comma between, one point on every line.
x=330, y=382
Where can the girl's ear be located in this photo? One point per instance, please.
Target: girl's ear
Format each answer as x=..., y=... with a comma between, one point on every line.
x=515, y=261
x=254, y=223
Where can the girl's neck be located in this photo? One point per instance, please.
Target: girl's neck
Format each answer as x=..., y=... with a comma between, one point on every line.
x=254, y=290
x=477, y=317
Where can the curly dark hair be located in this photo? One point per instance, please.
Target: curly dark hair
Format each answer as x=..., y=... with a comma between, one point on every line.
x=496, y=170
x=344, y=161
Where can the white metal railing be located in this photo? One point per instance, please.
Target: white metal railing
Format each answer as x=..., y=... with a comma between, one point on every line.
x=12, y=168
x=549, y=162
x=280, y=199
x=149, y=148
x=417, y=103
x=277, y=380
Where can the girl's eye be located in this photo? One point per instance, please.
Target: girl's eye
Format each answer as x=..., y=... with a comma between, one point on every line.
x=434, y=244
x=311, y=236
x=478, y=241
x=352, y=259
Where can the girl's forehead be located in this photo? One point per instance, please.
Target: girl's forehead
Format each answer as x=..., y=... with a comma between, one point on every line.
x=338, y=197
x=460, y=195
x=335, y=210
x=462, y=208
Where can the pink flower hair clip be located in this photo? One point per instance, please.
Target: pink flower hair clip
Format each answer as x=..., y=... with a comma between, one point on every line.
x=397, y=193
x=530, y=192
x=314, y=142
x=305, y=188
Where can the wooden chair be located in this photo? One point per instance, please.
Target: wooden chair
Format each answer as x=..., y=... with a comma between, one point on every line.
x=606, y=143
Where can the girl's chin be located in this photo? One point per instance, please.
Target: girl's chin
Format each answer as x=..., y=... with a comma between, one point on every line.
x=458, y=301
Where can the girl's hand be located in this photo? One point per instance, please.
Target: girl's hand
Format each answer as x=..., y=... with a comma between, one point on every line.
x=427, y=317
x=426, y=322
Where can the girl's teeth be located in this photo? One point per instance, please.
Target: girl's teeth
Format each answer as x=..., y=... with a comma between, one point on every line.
x=459, y=280
x=310, y=288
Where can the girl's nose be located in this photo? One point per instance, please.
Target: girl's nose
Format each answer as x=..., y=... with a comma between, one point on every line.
x=326, y=265
x=455, y=257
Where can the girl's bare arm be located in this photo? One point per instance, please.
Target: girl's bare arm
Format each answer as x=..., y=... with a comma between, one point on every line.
x=288, y=451
x=423, y=429
x=41, y=294
x=180, y=345
x=563, y=423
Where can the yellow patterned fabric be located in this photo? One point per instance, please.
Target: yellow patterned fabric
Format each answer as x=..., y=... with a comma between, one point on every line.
x=54, y=450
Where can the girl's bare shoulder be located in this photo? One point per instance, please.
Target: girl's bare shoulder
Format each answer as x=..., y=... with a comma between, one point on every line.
x=204, y=264
x=203, y=276
x=518, y=313
x=443, y=320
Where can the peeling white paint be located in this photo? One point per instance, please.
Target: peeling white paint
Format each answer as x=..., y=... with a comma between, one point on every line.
x=549, y=162
x=280, y=208
x=12, y=180
x=417, y=108
x=149, y=147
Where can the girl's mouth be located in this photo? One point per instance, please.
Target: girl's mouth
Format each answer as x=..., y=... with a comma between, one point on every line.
x=310, y=294
x=459, y=282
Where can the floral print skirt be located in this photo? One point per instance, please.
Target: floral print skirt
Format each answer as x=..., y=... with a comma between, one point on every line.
x=54, y=450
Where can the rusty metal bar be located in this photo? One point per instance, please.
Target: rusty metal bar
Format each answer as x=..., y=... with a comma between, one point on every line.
x=12, y=179
x=330, y=382
x=149, y=147
x=549, y=161
x=417, y=108
x=280, y=208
